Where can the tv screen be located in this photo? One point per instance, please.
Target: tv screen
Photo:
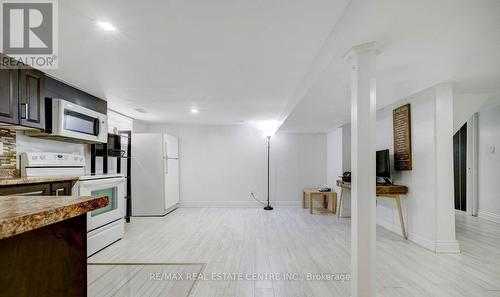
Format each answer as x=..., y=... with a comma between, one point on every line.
x=383, y=164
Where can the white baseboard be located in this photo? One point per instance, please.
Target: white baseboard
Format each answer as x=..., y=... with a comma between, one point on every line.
x=447, y=247
x=239, y=204
x=418, y=239
x=489, y=216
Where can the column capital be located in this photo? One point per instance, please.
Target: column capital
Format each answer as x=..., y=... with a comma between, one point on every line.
x=371, y=46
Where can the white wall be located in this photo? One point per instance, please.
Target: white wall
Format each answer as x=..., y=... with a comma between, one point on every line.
x=299, y=161
x=419, y=204
x=464, y=106
x=221, y=165
x=346, y=147
x=339, y=161
x=489, y=164
x=334, y=157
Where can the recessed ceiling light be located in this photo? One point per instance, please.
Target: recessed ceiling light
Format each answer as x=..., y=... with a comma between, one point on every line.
x=106, y=26
x=195, y=110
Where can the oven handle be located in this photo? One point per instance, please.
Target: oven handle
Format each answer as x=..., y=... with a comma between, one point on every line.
x=31, y=193
x=97, y=128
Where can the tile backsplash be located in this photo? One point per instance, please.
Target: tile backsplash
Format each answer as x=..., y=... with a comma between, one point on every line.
x=8, y=157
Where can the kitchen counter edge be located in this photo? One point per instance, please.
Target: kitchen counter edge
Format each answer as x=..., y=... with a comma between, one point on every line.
x=19, y=214
x=14, y=181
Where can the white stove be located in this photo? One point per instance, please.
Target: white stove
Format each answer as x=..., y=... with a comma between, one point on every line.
x=104, y=225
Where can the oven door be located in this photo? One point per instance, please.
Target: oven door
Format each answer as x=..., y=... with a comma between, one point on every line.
x=114, y=188
x=74, y=121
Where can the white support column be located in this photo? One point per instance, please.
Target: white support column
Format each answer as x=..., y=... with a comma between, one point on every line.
x=445, y=205
x=363, y=204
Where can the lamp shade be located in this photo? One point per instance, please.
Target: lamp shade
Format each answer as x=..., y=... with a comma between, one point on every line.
x=269, y=128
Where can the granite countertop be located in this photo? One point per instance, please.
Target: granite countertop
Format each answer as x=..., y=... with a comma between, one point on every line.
x=13, y=181
x=20, y=214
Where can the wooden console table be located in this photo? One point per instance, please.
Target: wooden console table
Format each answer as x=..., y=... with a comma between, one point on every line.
x=325, y=195
x=386, y=191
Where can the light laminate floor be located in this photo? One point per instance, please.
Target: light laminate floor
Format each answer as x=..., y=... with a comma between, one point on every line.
x=289, y=240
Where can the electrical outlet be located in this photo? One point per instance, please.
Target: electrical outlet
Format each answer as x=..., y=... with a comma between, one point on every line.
x=492, y=149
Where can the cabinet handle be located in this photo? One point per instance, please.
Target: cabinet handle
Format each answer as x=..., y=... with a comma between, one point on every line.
x=26, y=110
x=59, y=191
x=31, y=193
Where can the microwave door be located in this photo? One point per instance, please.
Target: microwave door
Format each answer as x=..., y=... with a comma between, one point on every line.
x=81, y=123
x=73, y=121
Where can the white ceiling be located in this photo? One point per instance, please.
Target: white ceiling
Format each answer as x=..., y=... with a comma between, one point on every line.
x=245, y=61
x=423, y=43
x=236, y=61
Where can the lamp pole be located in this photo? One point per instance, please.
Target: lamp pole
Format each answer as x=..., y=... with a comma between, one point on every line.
x=268, y=206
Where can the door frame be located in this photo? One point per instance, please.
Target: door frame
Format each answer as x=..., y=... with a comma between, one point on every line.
x=472, y=179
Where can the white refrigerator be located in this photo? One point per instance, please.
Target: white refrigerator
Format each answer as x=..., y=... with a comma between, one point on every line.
x=155, y=174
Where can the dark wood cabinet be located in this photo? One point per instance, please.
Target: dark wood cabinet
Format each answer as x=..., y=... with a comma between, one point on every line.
x=61, y=189
x=43, y=189
x=31, y=98
x=22, y=100
x=9, y=102
x=54, y=88
x=26, y=190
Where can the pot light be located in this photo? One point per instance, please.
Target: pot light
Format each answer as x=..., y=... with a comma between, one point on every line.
x=106, y=26
x=140, y=110
x=195, y=110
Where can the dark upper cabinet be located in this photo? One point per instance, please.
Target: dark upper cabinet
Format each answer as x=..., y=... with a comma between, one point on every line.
x=22, y=100
x=31, y=98
x=9, y=102
x=24, y=92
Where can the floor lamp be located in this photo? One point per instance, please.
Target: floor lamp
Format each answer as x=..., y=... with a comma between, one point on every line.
x=268, y=206
x=269, y=128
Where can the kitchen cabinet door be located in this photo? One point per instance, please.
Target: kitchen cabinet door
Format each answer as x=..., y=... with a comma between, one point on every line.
x=32, y=99
x=9, y=103
x=26, y=190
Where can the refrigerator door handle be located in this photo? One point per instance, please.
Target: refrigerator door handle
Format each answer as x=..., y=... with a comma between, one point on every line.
x=166, y=165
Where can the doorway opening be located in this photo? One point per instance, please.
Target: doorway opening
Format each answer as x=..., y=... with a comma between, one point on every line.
x=460, y=168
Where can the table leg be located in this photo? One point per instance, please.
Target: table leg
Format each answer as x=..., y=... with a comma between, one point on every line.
x=325, y=201
x=310, y=203
x=304, y=199
x=334, y=202
x=401, y=220
x=339, y=212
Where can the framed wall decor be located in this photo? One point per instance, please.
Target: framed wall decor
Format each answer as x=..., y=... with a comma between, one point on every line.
x=402, y=137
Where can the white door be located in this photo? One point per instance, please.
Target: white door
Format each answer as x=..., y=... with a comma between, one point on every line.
x=171, y=146
x=148, y=172
x=172, y=183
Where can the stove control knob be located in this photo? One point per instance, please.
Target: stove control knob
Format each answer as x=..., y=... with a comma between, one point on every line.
x=42, y=157
x=81, y=158
x=75, y=158
x=34, y=157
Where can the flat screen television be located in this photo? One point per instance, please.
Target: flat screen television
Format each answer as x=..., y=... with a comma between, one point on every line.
x=383, y=164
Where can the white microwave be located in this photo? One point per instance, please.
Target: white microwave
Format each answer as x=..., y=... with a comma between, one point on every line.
x=79, y=123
